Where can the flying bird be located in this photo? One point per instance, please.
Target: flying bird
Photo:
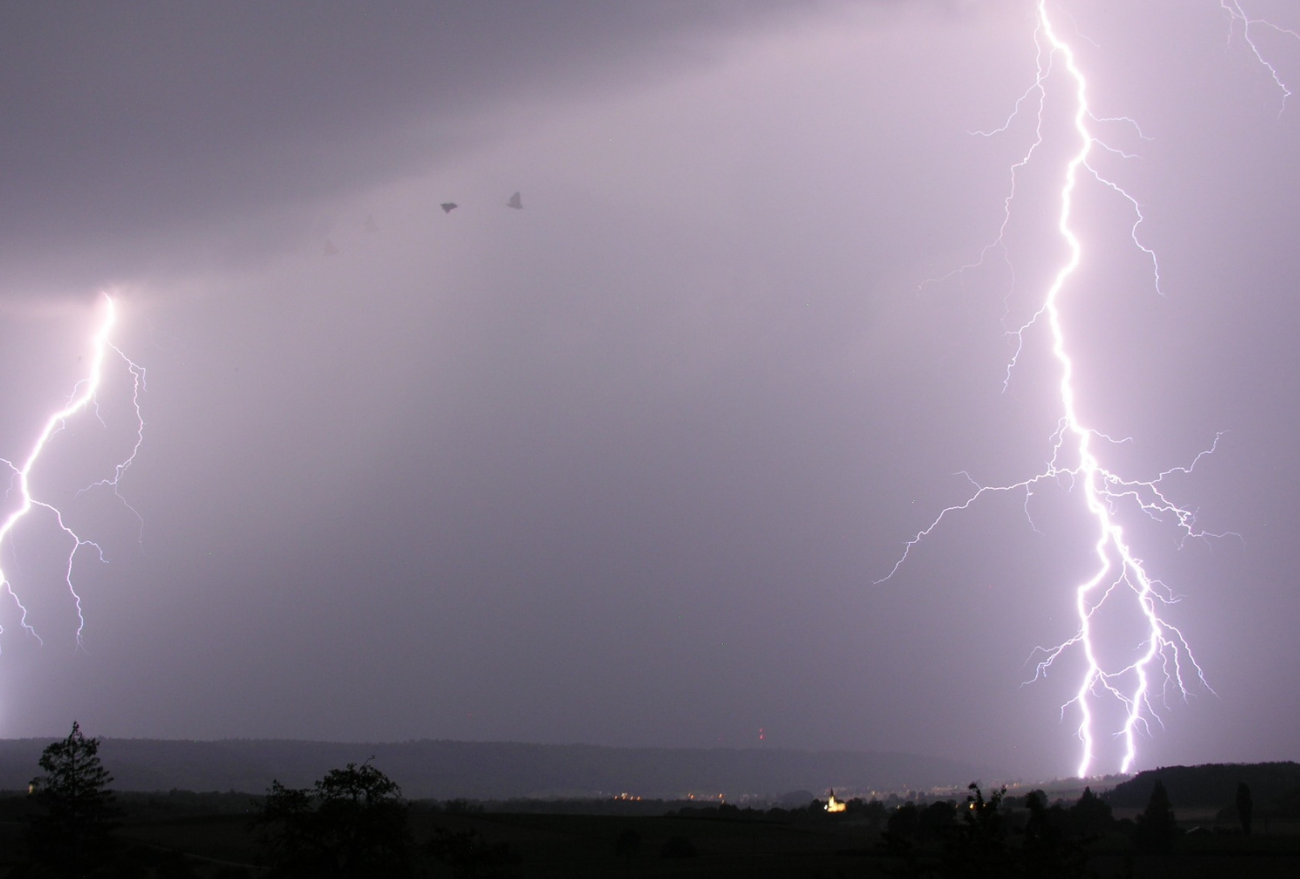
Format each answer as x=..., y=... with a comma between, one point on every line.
x=515, y=202
x=448, y=206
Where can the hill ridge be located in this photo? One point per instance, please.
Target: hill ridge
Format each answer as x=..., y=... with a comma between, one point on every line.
x=448, y=769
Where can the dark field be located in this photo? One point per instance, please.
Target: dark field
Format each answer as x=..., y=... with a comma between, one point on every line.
x=209, y=835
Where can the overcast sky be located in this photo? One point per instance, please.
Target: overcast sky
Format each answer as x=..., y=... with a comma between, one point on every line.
x=623, y=467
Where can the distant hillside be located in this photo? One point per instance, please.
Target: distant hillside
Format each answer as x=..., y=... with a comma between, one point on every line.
x=498, y=770
x=1213, y=785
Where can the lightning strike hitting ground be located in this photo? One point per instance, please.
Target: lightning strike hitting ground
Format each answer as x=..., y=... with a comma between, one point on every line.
x=82, y=401
x=1162, y=663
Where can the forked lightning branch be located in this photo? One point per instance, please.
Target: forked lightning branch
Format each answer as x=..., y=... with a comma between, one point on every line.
x=28, y=507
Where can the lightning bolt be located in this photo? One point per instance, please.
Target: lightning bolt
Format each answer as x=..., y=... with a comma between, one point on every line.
x=1162, y=662
x=83, y=399
x=1237, y=16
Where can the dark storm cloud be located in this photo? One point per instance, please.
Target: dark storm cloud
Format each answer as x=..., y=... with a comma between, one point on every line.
x=123, y=120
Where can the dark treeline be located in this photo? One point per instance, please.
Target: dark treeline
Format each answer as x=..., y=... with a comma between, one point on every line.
x=355, y=820
x=1275, y=786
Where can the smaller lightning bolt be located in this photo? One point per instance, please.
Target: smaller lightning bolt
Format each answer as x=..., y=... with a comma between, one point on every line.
x=84, y=397
x=1238, y=16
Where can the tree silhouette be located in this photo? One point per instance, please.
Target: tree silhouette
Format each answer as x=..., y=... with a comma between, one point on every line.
x=936, y=820
x=351, y=824
x=1051, y=850
x=1245, y=807
x=70, y=832
x=1156, y=826
x=1091, y=815
x=904, y=822
x=978, y=844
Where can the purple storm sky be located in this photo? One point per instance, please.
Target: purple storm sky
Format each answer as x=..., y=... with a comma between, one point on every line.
x=622, y=467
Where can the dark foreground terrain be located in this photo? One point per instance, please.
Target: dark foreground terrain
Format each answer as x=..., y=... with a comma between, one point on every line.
x=181, y=834
x=1203, y=821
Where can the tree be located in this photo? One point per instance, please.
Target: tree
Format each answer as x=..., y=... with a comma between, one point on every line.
x=1050, y=850
x=978, y=845
x=350, y=824
x=873, y=812
x=936, y=820
x=899, y=840
x=903, y=822
x=1245, y=807
x=1091, y=816
x=1156, y=826
x=75, y=806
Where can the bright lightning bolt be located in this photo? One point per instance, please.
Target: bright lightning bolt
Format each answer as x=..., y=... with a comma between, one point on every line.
x=84, y=398
x=1162, y=661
